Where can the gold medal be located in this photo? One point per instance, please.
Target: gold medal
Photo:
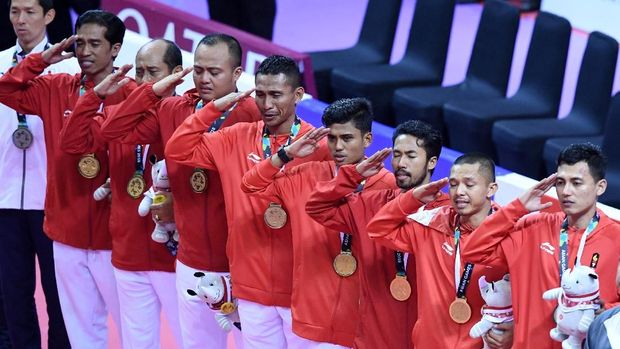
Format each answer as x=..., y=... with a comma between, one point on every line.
x=227, y=308
x=345, y=264
x=199, y=180
x=89, y=166
x=400, y=288
x=275, y=216
x=136, y=186
x=22, y=138
x=460, y=311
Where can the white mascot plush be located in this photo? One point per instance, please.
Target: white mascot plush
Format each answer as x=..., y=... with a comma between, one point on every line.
x=216, y=291
x=576, y=305
x=103, y=191
x=159, y=175
x=498, y=309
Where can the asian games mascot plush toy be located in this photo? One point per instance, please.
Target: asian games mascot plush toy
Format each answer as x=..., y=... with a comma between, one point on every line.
x=576, y=305
x=159, y=174
x=216, y=291
x=498, y=309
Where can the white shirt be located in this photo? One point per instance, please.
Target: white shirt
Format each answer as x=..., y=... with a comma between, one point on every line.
x=23, y=173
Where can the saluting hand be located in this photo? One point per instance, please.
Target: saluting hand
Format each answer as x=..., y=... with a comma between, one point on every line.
x=56, y=53
x=223, y=103
x=531, y=199
x=429, y=191
x=307, y=143
x=113, y=82
x=372, y=165
x=165, y=87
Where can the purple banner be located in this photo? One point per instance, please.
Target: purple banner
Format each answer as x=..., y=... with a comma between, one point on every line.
x=153, y=19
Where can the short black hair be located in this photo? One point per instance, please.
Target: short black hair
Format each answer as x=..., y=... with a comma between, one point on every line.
x=588, y=152
x=487, y=165
x=115, y=28
x=234, y=47
x=431, y=138
x=45, y=4
x=172, y=57
x=274, y=65
x=358, y=110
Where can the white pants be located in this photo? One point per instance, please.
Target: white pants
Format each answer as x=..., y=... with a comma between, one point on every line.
x=265, y=326
x=198, y=325
x=87, y=292
x=142, y=296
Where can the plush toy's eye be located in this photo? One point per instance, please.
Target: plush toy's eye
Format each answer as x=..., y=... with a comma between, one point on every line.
x=577, y=281
x=211, y=284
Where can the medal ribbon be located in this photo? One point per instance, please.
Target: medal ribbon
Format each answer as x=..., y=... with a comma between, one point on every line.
x=345, y=237
x=217, y=124
x=267, y=142
x=563, y=258
x=141, y=158
x=399, y=257
x=462, y=283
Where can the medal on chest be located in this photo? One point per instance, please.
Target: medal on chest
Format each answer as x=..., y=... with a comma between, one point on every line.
x=199, y=180
x=137, y=183
x=22, y=138
x=400, y=289
x=88, y=166
x=275, y=216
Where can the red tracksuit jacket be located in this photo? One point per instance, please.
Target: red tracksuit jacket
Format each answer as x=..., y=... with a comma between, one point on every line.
x=429, y=235
x=132, y=246
x=72, y=216
x=200, y=217
x=261, y=258
x=384, y=321
x=529, y=246
x=325, y=306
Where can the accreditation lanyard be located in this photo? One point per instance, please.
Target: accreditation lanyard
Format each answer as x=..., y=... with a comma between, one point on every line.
x=462, y=282
x=141, y=154
x=345, y=238
x=563, y=258
x=267, y=142
x=217, y=124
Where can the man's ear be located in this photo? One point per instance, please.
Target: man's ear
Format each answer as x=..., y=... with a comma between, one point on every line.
x=601, y=186
x=116, y=48
x=299, y=93
x=491, y=190
x=367, y=139
x=431, y=163
x=177, y=69
x=237, y=73
x=49, y=16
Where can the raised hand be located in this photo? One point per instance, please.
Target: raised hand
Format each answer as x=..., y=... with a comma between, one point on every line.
x=223, y=103
x=56, y=53
x=113, y=82
x=531, y=199
x=307, y=143
x=372, y=165
x=429, y=191
x=165, y=87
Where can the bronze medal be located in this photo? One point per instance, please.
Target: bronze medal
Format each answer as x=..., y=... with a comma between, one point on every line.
x=460, y=311
x=345, y=264
x=275, y=216
x=136, y=186
x=199, y=180
x=89, y=166
x=22, y=138
x=400, y=288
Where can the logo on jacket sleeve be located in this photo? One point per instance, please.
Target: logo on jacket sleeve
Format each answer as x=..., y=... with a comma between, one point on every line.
x=254, y=158
x=547, y=247
x=447, y=248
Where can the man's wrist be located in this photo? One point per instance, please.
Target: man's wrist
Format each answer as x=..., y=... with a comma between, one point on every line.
x=284, y=156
